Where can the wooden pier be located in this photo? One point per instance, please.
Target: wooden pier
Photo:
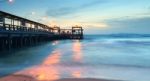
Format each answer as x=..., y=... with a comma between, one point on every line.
x=17, y=32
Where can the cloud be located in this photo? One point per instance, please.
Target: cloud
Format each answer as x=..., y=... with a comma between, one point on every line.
x=115, y=26
x=89, y=25
x=130, y=25
x=149, y=9
x=59, y=12
x=93, y=3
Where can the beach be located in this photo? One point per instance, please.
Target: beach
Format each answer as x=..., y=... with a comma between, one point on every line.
x=74, y=40
x=27, y=78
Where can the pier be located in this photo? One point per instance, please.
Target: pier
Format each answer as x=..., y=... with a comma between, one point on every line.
x=16, y=32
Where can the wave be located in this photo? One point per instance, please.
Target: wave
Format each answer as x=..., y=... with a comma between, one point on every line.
x=142, y=41
x=100, y=64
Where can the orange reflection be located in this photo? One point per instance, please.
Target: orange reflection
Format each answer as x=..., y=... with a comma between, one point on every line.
x=43, y=73
x=54, y=58
x=47, y=70
x=76, y=74
x=77, y=56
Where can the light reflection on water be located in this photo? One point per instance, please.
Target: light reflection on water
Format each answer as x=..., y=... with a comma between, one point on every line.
x=51, y=69
x=54, y=58
x=96, y=59
x=46, y=70
x=77, y=51
x=76, y=74
x=77, y=57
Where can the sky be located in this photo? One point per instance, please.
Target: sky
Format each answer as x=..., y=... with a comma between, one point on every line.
x=95, y=16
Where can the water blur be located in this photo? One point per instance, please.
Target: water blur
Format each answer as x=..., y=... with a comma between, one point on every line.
x=107, y=58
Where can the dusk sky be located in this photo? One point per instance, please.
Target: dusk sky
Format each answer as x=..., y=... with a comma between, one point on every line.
x=96, y=16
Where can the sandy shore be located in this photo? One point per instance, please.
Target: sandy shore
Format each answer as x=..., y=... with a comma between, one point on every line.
x=28, y=78
x=84, y=79
x=17, y=78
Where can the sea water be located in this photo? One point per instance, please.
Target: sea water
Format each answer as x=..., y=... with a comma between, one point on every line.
x=100, y=57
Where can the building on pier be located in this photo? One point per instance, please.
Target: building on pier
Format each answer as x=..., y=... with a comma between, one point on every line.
x=17, y=31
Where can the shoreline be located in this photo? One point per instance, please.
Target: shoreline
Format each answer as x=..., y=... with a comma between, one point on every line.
x=29, y=78
x=85, y=79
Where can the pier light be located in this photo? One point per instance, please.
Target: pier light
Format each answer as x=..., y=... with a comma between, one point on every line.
x=10, y=1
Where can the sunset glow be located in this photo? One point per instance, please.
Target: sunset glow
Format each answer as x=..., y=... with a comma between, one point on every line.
x=96, y=16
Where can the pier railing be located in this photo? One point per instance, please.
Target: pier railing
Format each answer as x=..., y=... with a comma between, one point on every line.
x=16, y=31
x=15, y=28
x=14, y=24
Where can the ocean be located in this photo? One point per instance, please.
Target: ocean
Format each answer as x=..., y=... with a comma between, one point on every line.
x=102, y=57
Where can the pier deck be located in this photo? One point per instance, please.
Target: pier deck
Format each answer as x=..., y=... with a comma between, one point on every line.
x=17, y=31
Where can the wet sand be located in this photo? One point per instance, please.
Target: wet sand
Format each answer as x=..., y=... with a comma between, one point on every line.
x=84, y=79
x=17, y=78
x=28, y=78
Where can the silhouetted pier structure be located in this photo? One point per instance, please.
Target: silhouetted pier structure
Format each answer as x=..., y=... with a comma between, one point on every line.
x=17, y=32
